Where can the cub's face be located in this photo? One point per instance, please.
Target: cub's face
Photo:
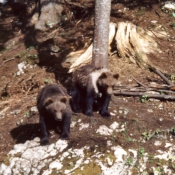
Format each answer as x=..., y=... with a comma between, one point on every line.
x=107, y=81
x=56, y=107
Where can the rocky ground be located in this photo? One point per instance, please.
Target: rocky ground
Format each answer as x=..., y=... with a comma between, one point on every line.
x=139, y=136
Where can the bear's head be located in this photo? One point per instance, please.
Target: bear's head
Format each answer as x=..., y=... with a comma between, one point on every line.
x=56, y=106
x=107, y=81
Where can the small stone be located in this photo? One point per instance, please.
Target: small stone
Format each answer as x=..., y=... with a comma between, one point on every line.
x=168, y=145
x=33, y=110
x=161, y=119
x=154, y=21
x=114, y=125
x=150, y=110
x=104, y=130
x=56, y=164
x=18, y=123
x=157, y=143
x=112, y=114
x=160, y=106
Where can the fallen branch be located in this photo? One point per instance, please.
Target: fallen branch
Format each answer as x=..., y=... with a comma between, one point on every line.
x=162, y=76
x=4, y=110
x=139, y=82
x=148, y=95
x=155, y=87
x=143, y=90
x=6, y=61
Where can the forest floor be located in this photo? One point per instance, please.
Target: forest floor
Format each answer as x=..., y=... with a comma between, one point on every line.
x=148, y=124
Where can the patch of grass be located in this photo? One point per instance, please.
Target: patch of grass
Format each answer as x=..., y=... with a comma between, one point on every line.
x=173, y=129
x=69, y=163
x=160, y=162
x=144, y=98
x=140, y=11
x=147, y=135
x=141, y=152
x=32, y=56
x=172, y=78
x=129, y=139
x=47, y=81
x=173, y=14
x=7, y=48
x=27, y=114
x=30, y=48
x=20, y=55
x=48, y=24
x=150, y=158
x=129, y=161
x=27, y=56
x=159, y=171
x=172, y=25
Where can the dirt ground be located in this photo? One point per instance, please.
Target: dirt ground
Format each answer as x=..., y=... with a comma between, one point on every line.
x=148, y=120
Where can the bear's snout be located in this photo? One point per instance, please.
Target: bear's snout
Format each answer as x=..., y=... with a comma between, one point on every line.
x=58, y=116
x=109, y=90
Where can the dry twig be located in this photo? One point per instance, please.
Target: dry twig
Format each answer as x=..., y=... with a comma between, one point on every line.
x=6, y=61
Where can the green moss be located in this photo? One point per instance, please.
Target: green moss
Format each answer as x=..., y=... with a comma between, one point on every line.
x=91, y=168
x=69, y=163
x=18, y=155
x=7, y=161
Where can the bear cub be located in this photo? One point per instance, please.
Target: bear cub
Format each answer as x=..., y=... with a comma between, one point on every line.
x=92, y=89
x=54, y=110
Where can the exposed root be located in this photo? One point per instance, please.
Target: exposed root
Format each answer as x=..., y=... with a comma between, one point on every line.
x=131, y=41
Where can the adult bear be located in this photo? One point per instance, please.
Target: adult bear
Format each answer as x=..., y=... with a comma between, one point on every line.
x=90, y=86
x=54, y=110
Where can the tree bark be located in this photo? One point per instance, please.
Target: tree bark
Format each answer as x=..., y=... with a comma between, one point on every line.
x=101, y=34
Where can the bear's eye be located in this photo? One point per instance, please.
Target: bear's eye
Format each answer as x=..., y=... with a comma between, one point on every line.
x=55, y=111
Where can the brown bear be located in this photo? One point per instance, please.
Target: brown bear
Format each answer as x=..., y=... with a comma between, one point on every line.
x=92, y=87
x=54, y=110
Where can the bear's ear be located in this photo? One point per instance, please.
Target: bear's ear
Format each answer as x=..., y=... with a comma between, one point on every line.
x=48, y=101
x=103, y=75
x=116, y=76
x=63, y=99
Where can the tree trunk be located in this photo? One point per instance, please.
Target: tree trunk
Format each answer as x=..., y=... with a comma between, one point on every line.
x=101, y=34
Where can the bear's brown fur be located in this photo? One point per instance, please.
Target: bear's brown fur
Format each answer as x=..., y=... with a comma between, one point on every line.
x=92, y=85
x=54, y=109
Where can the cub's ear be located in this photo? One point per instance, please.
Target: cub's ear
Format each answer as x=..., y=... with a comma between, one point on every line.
x=48, y=101
x=63, y=99
x=116, y=76
x=103, y=75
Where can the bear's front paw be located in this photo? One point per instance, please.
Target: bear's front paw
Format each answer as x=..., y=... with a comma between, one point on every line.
x=44, y=141
x=58, y=130
x=105, y=114
x=64, y=136
x=89, y=113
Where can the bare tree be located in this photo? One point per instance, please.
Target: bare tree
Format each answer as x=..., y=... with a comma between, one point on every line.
x=101, y=34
